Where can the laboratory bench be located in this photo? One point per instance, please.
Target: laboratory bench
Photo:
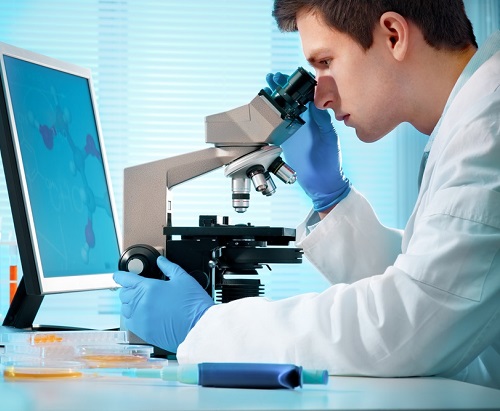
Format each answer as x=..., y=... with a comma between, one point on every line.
x=101, y=391
x=116, y=393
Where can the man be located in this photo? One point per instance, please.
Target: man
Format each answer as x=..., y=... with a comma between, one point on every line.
x=420, y=302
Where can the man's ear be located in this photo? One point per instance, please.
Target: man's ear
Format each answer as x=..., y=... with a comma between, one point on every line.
x=396, y=32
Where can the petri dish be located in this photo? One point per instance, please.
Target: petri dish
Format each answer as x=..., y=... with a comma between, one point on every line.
x=42, y=370
x=117, y=356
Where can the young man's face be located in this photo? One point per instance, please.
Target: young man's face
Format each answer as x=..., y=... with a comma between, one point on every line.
x=356, y=84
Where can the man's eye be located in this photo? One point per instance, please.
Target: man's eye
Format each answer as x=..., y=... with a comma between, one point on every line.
x=325, y=62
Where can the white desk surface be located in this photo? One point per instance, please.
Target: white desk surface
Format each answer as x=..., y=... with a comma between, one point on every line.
x=342, y=393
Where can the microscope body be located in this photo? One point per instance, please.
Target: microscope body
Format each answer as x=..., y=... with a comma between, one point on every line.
x=246, y=141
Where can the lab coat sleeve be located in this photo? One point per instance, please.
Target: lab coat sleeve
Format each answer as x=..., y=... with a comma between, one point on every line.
x=350, y=243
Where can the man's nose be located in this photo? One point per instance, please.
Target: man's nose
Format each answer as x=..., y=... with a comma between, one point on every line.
x=324, y=94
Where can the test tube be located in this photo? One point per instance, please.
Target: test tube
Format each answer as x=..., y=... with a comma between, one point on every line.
x=12, y=270
x=12, y=282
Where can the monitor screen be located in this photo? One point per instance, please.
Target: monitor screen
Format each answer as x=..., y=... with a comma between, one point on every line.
x=56, y=173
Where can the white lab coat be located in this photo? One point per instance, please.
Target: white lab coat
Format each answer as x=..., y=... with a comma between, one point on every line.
x=425, y=301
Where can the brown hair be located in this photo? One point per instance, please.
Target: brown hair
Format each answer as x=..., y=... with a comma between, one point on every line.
x=444, y=23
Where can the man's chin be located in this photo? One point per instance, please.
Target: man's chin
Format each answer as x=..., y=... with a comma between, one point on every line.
x=367, y=137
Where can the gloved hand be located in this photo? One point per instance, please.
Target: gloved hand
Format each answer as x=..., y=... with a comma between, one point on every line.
x=162, y=312
x=314, y=153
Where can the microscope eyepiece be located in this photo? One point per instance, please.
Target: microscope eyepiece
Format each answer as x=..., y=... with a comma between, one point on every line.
x=295, y=94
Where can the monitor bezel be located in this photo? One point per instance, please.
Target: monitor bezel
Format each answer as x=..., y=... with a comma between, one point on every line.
x=34, y=280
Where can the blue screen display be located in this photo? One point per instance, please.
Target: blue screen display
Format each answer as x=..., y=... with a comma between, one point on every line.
x=63, y=167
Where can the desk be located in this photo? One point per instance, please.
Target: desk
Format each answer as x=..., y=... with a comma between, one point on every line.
x=342, y=393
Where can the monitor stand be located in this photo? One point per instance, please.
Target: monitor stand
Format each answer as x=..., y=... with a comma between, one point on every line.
x=23, y=308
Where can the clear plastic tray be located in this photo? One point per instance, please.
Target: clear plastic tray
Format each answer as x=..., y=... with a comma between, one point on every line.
x=73, y=338
x=41, y=351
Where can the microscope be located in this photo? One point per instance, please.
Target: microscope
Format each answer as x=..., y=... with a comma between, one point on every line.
x=223, y=258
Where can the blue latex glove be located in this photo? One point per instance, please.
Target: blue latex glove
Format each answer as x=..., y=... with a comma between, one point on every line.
x=314, y=153
x=162, y=312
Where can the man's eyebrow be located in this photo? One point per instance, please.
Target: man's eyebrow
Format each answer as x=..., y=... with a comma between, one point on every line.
x=313, y=56
x=312, y=60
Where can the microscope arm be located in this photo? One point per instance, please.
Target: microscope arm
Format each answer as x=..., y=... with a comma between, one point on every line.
x=262, y=125
x=147, y=202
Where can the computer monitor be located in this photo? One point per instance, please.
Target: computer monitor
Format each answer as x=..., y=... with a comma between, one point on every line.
x=57, y=179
